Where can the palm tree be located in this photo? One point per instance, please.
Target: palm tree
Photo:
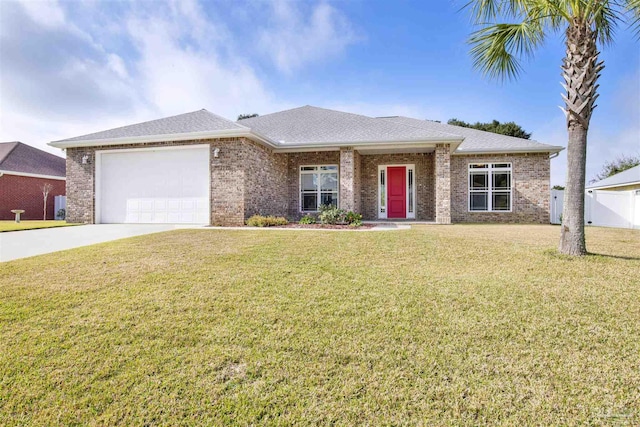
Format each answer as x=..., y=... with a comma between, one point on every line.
x=498, y=47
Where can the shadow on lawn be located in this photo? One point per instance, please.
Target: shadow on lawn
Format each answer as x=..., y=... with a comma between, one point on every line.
x=554, y=253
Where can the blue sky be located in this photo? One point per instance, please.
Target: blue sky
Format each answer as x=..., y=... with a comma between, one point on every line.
x=69, y=68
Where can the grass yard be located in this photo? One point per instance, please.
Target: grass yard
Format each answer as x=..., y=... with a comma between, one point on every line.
x=31, y=225
x=438, y=325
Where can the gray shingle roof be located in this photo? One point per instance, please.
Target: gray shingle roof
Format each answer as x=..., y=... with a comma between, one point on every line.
x=196, y=121
x=23, y=158
x=477, y=140
x=319, y=125
x=313, y=125
x=628, y=177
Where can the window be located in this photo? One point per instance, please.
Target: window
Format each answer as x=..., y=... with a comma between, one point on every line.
x=318, y=186
x=490, y=187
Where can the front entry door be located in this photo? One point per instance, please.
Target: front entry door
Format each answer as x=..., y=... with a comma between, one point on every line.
x=397, y=192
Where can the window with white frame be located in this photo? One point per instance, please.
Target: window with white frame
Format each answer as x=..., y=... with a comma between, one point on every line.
x=318, y=187
x=490, y=188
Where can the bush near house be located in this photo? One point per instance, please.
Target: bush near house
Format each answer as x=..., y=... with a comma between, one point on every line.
x=308, y=219
x=332, y=215
x=266, y=221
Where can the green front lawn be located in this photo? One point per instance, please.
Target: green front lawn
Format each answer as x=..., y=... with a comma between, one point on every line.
x=30, y=225
x=438, y=325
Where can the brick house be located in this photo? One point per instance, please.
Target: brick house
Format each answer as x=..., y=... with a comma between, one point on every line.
x=201, y=168
x=24, y=170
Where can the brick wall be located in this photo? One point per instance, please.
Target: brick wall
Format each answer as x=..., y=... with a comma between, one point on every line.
x=350, y=179
x=80, y=185
x=266, y=180
x=22, y=192
x=442, y=176
x=424, y=181
x=309, y=159
x=530, y=181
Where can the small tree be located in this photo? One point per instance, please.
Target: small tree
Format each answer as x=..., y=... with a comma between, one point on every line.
x=247, y=116
x=46, y=188
x=620, y=164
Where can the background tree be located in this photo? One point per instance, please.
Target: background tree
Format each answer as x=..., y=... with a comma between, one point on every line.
x=507, y=128
x=247, y=116
x=46, y=188
x=621, y=163
x=512, y=29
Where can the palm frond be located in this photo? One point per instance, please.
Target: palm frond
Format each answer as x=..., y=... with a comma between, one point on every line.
x=633, y=9
x=497, y=49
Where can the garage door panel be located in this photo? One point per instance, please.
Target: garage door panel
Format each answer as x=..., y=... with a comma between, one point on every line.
x=155, y=186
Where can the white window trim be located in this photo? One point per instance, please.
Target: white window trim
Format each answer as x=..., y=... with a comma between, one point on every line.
x=318, y=191
x=490, y=169
x=412, y=167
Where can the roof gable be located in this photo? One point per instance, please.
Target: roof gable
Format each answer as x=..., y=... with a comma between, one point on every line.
x=23, y=158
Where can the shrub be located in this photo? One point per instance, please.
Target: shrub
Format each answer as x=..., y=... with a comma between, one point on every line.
x=62, y=214
x=353, y=219
x=330, y=214
x=308, y=219
x=266, y=221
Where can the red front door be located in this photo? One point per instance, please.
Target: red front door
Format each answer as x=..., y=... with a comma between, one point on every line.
x=397, y=192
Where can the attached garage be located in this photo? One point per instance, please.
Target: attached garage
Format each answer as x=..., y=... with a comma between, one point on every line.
x=153, y=185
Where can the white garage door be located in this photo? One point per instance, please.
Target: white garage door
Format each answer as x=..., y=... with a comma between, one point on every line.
x=154, y=186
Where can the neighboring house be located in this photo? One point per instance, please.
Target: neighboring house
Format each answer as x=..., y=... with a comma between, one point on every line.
x=614, y=201
x=623, y=181
x=24, y=170
x=201, y=168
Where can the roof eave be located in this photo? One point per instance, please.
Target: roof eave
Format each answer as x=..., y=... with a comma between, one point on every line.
x=32, y=175
x=336, y=145
x=187, y=136
x=550, y=149
x=604, y=187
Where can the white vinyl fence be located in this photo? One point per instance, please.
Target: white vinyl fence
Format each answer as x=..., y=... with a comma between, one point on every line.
x=59, y=202
x=557, y=200
x=620, y=209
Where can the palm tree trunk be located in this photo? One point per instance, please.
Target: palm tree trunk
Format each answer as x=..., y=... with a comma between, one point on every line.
x=581, y=70
x=572, y=240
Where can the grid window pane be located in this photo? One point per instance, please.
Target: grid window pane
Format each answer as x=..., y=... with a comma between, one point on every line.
x=501, y=201
x=309, y=201
x=309, y=168
x=327, y=199
x=329, y=182
x=501, y=180
x=309, y=181
x=479, y=181
x=478, y=201
x=328, y=168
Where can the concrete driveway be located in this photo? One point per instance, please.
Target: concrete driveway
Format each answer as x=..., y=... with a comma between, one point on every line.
x=23, y=244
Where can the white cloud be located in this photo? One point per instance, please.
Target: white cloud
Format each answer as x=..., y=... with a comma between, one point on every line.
x=293, y=40
x=46, y=13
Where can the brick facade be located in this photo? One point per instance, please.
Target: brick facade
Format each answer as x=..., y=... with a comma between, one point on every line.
x=248, y=178
x=424, y=181
x=350, y=161
x=530, y=182
x=24, y=192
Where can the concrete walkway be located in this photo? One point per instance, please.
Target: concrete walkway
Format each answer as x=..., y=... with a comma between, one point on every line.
x=27, y=243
